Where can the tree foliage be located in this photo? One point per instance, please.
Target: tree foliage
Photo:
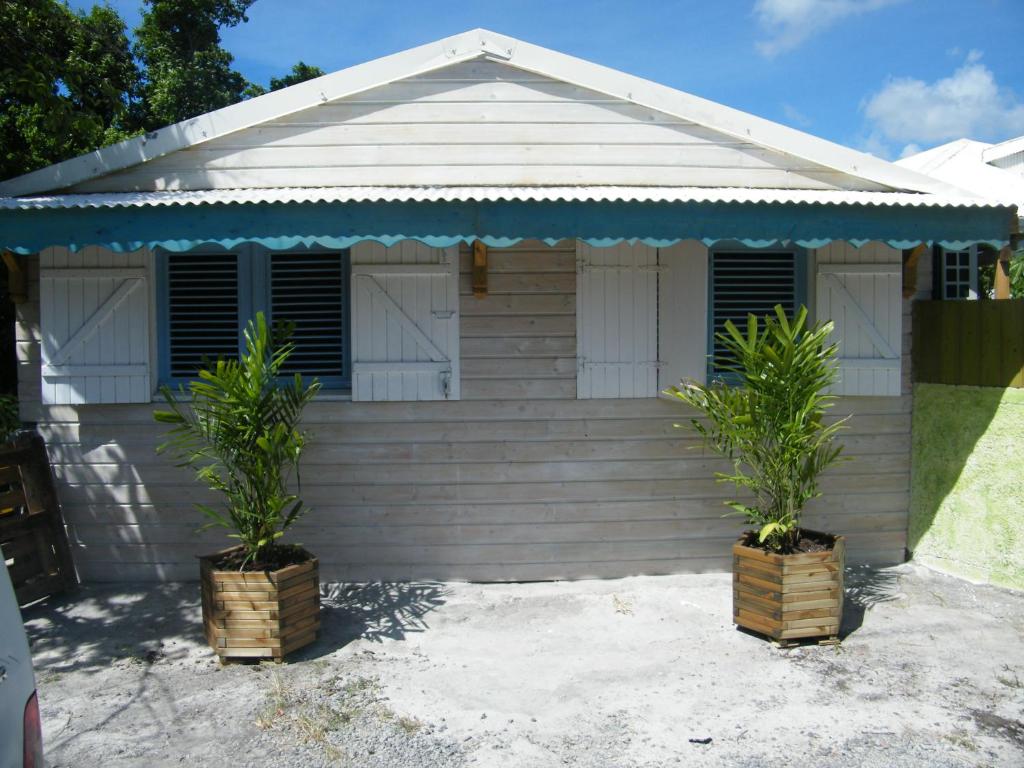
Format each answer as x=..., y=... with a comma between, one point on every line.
x=187, y=72
x=987, y=275
x=71, y=81
x=67, y=80
x=768, y=418
x=300, y=73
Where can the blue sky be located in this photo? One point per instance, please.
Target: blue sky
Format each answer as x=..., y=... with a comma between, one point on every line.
x=886, y=76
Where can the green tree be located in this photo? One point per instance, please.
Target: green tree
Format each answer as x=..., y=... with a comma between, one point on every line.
x=67, y=79
x=987, y=276
x=187, y=72
x=299, y=74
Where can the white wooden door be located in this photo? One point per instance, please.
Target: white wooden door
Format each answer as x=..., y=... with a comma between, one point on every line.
x=865, y=303
x=617, y=321
x=405, y=322
x=94, y=322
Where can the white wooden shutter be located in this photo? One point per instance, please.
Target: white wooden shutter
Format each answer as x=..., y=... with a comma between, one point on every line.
x=865, y=303
x=682, y=313
x=405, y=322
x=94, y=322
x=617, y=321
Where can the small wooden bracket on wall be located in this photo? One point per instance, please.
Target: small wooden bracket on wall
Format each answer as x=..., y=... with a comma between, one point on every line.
x=479, y=269
x=16, y=288
x=910, y=262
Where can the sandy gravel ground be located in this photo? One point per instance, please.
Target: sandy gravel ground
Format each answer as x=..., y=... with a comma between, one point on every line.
x=644, y=671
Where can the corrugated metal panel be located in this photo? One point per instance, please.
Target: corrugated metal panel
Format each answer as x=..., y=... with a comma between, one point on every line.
x=491, y=194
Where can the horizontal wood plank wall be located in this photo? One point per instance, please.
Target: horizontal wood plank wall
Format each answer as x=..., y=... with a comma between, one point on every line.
x=479, y=490
x=476, y=123
x=482, y=490
x=519, y=341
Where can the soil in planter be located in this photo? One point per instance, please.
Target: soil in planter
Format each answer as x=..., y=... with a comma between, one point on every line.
x=278, y=557
x=809, y=541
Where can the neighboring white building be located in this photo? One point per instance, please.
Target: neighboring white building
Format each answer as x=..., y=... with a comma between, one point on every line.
x=994, y=171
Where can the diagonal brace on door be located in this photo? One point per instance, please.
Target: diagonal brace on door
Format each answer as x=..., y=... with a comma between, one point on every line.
x=406, y=322
x=860, y=317
x=91, y=326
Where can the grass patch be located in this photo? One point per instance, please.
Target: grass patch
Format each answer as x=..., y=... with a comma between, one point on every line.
x=961, y=738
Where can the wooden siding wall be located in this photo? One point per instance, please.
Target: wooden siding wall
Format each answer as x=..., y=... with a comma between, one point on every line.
x=519, y=341
x=476, y=123
x=502, y=489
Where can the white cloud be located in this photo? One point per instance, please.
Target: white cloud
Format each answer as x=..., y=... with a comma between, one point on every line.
x=967, y=104
x=910, y=149
x=795, y=116
x=789, y=22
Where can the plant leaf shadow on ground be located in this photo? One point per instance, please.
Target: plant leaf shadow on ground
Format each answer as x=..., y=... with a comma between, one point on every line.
x=374, y=611
x=101, y=625
x=865, y=587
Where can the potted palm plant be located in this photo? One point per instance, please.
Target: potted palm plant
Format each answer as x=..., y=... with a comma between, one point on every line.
x=237, y=426
x=767, y=416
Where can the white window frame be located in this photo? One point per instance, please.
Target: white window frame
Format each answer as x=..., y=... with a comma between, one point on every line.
x=971, y=252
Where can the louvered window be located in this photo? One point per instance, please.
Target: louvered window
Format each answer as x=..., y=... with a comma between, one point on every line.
x=202, y=310
x=307, y=292
x=745, y=282
x=210, y=297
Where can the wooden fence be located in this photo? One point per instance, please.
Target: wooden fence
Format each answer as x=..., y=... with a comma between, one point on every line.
x=33, y=540
x=978, y=343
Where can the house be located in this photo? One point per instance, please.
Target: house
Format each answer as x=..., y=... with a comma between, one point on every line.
x=496, y=256
x=993, y=171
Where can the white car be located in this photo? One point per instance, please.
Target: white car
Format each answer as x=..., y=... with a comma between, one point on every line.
x=21, y=739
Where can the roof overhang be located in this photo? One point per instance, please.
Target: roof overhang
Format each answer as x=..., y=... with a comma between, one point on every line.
x=999, y=151
x=499, y=216
x=491, y=194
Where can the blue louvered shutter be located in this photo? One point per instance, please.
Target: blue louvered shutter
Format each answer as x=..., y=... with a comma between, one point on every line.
x=202, y=311
x=744, y=282
x=308, y=290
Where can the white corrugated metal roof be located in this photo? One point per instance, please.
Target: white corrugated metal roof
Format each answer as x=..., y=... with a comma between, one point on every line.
x=491, y=194
x=962, y=163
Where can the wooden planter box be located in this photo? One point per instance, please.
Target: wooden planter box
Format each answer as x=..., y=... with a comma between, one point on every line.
x=788, y=597
x=260, y=614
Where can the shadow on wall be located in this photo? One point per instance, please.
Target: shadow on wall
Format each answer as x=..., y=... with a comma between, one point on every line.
x=100, y=626
x=967, y=492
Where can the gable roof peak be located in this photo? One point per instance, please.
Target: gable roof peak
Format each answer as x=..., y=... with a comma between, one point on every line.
x=466, y=46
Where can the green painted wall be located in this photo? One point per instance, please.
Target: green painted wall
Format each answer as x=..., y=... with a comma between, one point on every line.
x=967, y=491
